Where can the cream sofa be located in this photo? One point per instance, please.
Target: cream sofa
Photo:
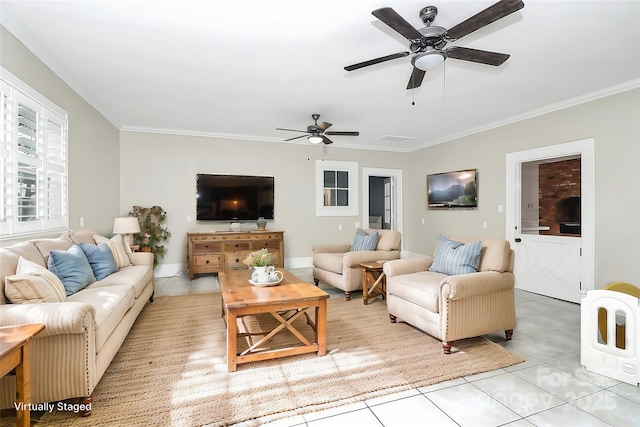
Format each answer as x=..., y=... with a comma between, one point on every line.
x=339, y=267
x=82, y=334
x=453, y=307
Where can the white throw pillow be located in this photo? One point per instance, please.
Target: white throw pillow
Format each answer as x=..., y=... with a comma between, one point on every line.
x=117, y=249
x=33, y=283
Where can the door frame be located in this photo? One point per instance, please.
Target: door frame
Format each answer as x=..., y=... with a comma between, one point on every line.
x=585, y=149
x=396, y=191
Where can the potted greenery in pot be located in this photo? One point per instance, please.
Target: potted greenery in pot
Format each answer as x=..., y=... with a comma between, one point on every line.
x=152, y=232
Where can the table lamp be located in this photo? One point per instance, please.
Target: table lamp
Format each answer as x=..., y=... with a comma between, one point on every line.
x=127, y=226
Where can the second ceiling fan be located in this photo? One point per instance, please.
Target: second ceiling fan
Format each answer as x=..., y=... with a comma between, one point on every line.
x=318, y=132
x=427, y=45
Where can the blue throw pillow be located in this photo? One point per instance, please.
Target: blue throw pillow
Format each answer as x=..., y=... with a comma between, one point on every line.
x=364, y=241
x=454, y=257
x=72, y=268
x=100, y=259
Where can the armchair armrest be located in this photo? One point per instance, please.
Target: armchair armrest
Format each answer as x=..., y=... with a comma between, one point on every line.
x=339, y=248
x=354, y=259
x=59, y=318
x=406, y=266
x=141, y=258
x=472, y=284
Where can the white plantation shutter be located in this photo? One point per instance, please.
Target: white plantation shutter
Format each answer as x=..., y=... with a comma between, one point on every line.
x=33, y=156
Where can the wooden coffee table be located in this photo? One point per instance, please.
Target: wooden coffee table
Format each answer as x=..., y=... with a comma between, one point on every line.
x=285, y=302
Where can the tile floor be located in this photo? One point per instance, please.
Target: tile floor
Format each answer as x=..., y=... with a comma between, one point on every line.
x=549, y=389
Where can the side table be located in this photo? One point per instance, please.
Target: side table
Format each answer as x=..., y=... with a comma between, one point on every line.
x=374, y=283
x=14, y=353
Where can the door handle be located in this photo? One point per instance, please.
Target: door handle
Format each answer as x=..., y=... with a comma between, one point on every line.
x=518, y=240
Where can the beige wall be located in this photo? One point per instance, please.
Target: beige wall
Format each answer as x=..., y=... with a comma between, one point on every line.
x=614, y=124
x=158, y=169
x=93, y=141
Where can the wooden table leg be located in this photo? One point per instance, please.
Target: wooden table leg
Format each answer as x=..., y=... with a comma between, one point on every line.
x=321, y=327
x=365, y=286
x=22, y=388
x=232, y=334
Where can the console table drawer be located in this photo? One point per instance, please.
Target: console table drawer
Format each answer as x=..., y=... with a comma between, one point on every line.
x=234, y=260
x=237, y=246
x=272, y=245
x=199, y=247
x=204, y=261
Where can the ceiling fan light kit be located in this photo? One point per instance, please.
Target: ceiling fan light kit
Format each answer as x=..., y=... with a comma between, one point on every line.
x=315, y=139
x=427, y=45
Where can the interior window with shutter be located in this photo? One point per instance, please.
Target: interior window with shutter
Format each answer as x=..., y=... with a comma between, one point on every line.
x=33, y=161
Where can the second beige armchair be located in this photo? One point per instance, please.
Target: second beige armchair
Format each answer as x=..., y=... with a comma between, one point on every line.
x=338, y=266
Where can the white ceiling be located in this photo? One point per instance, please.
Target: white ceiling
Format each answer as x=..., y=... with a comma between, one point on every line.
x=240, y=69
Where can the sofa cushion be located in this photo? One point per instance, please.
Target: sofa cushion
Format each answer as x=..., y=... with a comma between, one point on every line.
x=421, y=288
x=9, y=257
x=33, y=283
x=100, y=259
x=364, y=241
x=117, y=249
x=82, y=236
x=45, y=246
x=389, y=240
x=72, y=267
x=496, y=253
x=111, y=304
x=135, y=276
x=329, y=261
x=453, y=257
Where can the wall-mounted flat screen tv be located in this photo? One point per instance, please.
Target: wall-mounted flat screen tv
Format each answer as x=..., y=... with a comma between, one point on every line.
x=450, y=190
x=231, y=197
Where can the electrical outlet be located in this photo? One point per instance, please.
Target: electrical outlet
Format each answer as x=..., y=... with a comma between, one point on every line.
x=340, y=227
x=422, y=221
x=81, y=221
x=484, y=224
x=188, y=218
x=500, y=208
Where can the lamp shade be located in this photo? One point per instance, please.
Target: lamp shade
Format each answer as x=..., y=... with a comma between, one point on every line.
x=315, y=139
x=127, y=225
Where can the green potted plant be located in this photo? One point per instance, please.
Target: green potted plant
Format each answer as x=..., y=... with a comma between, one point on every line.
x=152, y=232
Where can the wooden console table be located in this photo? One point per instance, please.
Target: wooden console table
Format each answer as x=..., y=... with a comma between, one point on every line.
x=14, y=353
x=213, y=252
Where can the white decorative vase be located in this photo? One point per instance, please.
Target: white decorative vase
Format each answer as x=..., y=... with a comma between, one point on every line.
x=260, y=275
x=236, y=226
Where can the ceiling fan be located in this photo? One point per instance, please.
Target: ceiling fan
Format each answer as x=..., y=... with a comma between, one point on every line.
x=318, y=132
x=427, y=45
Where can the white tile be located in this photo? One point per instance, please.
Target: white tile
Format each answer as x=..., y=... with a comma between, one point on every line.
x=361, y=417
x=416, y=410
x=517, y=394
x=312, y=416
x=565, y=415
x=468, y=406
x=627, y=390
x=444, y=384
x=391, y=397
x=520, y=423
x=297, y=420
x=611, y=408
x=560, y=383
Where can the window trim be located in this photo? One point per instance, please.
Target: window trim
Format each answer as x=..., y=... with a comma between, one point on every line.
x=52, y=161
x=334, y=165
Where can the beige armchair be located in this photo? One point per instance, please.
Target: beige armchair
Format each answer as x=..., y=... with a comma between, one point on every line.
x=337, y=266
x=453, y=307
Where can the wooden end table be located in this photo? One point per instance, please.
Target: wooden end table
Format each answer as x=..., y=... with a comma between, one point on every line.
x=374, y=283
x=292, y=295
x=14, y=353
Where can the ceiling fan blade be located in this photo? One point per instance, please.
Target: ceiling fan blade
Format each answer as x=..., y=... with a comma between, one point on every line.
x=296, y=137
x=475, y=55
x=492, y=13
x=397, y=23
x=376, y=61
x=292, y=130
x=326, y=140
x=324, y=125
x=343, y=133
x=416, y=78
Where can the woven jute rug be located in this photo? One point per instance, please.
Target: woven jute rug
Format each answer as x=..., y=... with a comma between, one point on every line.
x=171, y=370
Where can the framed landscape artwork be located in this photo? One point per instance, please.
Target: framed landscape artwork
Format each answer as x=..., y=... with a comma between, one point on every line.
x=453, y=190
